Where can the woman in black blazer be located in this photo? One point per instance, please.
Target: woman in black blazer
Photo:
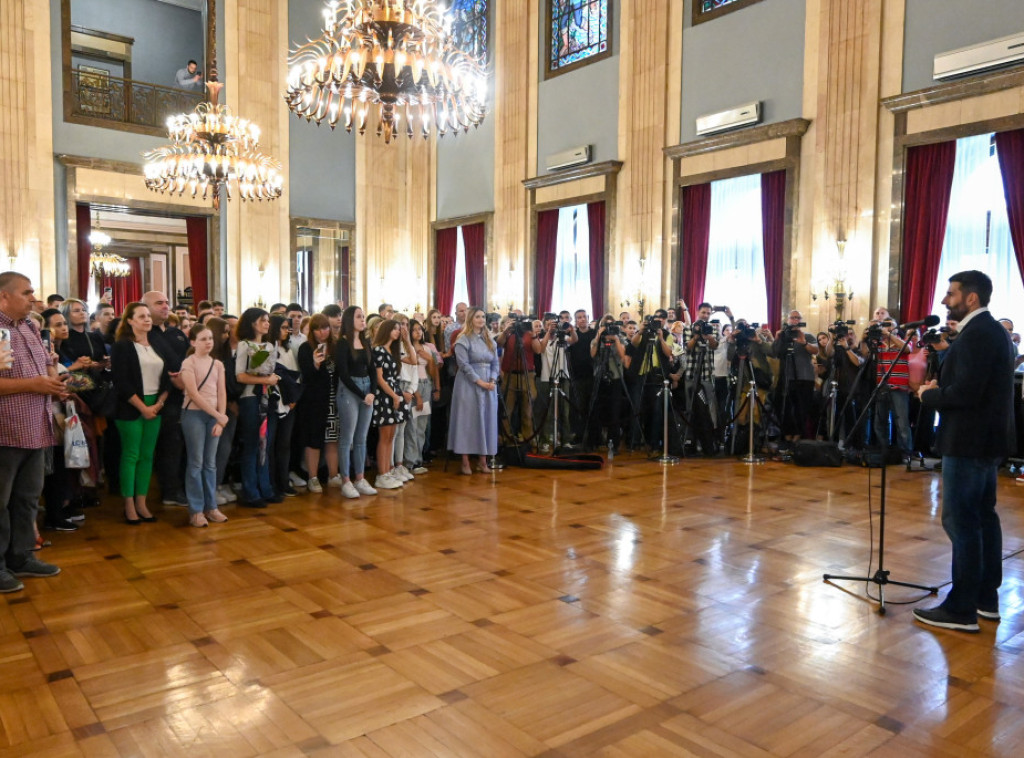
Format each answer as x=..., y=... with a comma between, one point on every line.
x=140, y=376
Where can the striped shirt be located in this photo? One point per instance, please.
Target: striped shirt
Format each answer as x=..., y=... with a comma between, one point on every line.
x=900, y=377
x=25, y=418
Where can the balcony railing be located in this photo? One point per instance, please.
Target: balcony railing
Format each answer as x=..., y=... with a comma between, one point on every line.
x=98, y=99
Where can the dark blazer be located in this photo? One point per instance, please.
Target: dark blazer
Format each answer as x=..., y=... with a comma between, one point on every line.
x=975, y=393
x=127, y=374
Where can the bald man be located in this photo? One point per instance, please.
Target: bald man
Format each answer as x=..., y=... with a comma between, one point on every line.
x=169, y=464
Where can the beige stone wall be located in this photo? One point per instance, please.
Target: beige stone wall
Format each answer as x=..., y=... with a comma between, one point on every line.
x=259, y=260
x=26, y=143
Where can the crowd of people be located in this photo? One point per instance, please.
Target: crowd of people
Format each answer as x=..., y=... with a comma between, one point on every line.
x=254, y=408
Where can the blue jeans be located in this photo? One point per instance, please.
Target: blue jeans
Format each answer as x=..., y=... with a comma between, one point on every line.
x=972, y=525
x=201, y=462
x=255, y=474
x=899, y=403
x=354, y=422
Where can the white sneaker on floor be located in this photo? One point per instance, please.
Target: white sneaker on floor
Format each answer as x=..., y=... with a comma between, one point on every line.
x=349, y=490
x=227, y=493
x=420, y=470
x=335, y=481
x=387, y=482
x=296, y=480
x=402, y=473
x=363, y=487
x=221, y=500
x=313, y=485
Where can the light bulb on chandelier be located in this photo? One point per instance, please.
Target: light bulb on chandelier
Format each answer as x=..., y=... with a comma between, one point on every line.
x=396, y=57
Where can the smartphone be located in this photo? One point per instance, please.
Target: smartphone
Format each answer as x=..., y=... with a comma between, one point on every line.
x=322, y=348
x=47, y=343
x=5, y=335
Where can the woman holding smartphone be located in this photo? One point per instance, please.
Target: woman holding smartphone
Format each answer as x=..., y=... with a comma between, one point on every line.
x=355, y=401
x=389, y=407
x=203, y=419
x=142, y=383
x=317, y=412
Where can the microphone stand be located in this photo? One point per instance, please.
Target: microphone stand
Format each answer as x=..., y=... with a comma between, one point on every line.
x=881, y=576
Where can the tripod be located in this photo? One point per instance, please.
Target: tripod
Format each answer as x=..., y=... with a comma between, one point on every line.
x=602, y=378
x=696, y=388
x=664, y=393
x=559, y=373
x=751, y=401
x=881, y=576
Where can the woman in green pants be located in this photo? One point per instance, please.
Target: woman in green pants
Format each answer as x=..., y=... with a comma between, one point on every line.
x=140, y=377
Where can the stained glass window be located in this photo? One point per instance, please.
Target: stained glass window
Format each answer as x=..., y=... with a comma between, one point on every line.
x=470, y=27
x=579, y=31
x=705, y=10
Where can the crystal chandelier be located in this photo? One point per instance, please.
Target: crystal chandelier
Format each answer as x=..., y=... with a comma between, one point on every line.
x=394, y=57
x=105, y=263
x=212, y=148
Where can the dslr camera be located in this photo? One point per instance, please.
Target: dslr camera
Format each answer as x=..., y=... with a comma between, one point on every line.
x=521, y=324
x=933, y=337
x=746, y=332
x=703, y=328
x=613, y=329
x=653, y=325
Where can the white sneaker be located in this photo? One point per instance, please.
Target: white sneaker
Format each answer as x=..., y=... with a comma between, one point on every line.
x=227, y=493
x=363, y=487
x=221, y=500
x=313, y=485
x=387, y=482
x=349, y=490
x=420, y=470
x=296, y=480
x=335, y=481
x=402, y=473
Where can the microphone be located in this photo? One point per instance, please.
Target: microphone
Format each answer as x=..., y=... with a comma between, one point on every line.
x=928, y=321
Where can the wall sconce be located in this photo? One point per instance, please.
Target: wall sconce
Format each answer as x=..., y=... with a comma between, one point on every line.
x=641, y=300
x=261, y=272
x=836, y=281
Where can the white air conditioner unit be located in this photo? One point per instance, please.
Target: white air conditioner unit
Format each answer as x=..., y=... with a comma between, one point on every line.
x=970, y=60
x=577, y=156
x=733, y=118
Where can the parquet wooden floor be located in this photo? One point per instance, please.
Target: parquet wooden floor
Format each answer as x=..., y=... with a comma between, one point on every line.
x=633, y=611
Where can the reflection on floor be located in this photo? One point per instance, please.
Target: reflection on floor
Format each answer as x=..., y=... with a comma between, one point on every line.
x=634, y=611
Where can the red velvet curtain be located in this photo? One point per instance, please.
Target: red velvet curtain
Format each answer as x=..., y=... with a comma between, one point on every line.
x=444, y=268
x=693, y=268
x=595, y=220
x=197, y=250
x=547, y=251
x=773, y=232
x=1010, y=148
x=125, y=289
x=473, y=239
x=928, y=180
x=83, y=223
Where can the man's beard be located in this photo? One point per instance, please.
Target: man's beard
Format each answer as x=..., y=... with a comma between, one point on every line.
x=956, y=313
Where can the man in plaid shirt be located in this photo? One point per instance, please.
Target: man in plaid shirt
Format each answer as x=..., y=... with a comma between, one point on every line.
x=26, y=430
x=700, y=357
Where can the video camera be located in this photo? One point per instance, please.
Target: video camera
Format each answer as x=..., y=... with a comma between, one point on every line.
x=614, y=329
x=746, y=331
x=520, y=324
x=840, y=328
x=653, y=325
x=704, y=328
x=933, y=337
x=875, y=332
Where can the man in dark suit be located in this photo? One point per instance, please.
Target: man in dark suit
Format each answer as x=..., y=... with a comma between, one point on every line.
x=974, y=397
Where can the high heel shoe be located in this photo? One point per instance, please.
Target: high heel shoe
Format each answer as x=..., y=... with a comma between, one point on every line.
x=132, y=521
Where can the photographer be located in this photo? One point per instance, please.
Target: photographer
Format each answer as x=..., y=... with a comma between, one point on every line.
x=796, y=388
x=650, y=362
x=581, y=367
x=748, y=353
x=702, y=339
x=559, y=336
x=517, y=373
x=845, y=366
x=894, y=400
x=608, y=353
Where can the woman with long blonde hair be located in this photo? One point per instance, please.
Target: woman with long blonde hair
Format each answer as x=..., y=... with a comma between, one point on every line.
x=473, y=424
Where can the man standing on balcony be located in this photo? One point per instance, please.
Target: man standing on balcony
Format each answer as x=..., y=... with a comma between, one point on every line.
x=189, y=77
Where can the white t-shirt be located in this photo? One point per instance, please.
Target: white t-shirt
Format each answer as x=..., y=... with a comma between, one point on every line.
x=152, y=366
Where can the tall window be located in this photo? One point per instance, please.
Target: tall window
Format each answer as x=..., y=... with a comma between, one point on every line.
x=461, y=280
x=470, y=27
x=571, y=289
x=579, y=31
x=978, y=230
x=735, y=275
x=705, y=10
